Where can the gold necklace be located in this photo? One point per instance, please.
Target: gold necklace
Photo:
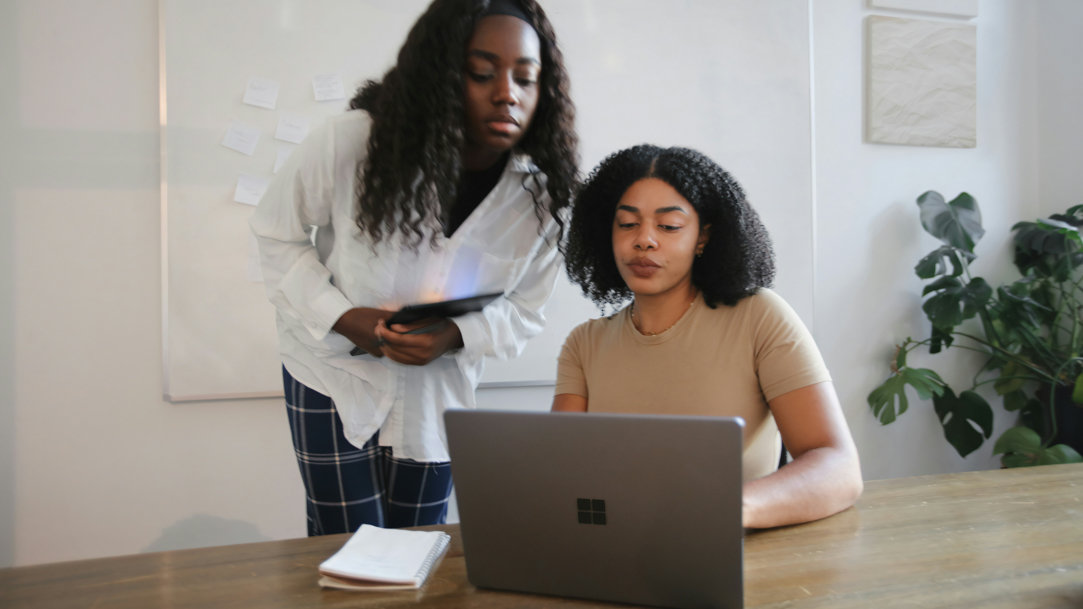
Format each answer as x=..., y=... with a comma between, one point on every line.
x=635, y=318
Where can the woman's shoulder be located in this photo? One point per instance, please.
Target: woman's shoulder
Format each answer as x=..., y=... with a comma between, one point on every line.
x=763, y=304
x=334, y=147
x=764, y=298
x=347, y=132
x=596, y=329
x=766, y=310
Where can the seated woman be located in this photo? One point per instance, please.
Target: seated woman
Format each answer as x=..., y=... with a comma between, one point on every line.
x=703, y=335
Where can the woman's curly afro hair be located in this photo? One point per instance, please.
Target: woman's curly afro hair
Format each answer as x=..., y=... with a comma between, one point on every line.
x=738, y=258
x=411, y=176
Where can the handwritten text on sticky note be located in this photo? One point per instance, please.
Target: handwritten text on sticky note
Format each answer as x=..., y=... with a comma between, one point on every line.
x=241, y=137
x=261, y=92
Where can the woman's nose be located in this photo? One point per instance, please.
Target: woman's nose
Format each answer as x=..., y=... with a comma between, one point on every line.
x=505, y=91
x=645, y=239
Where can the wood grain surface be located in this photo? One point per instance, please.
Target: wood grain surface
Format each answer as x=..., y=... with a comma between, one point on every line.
x=990, y=539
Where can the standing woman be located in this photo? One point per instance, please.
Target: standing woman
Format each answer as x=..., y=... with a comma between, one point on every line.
x=446, y=179
x=671, y=231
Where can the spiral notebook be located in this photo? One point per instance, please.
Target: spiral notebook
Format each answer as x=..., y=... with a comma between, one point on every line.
x=384, y=559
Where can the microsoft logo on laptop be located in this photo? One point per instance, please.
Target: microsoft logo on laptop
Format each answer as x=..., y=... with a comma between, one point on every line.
x=591, y=511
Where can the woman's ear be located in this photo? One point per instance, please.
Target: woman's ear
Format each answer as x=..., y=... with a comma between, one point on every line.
x=704, y=237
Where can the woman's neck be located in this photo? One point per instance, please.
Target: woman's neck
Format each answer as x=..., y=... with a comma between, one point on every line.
x=474, y=159
x=655, y=313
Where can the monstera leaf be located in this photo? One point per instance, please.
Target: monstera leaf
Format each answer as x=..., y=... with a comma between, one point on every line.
x=953, y=301
x=1022, y=447
x=956, y=223
x=1015, y=399
x=1010, y=384
x=938, y=262
x=967, y=419
x=888, y=401
x=1050, y=247
x=1016, y=304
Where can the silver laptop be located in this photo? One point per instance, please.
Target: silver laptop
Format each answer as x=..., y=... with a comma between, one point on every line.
x=629, y=508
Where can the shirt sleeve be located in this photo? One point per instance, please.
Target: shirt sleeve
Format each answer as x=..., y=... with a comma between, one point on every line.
x=787, y=357
x=298, y=198
x=502, y=329
x=571, y=377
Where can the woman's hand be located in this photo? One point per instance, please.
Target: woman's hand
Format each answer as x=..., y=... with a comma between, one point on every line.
x=359, y=325
x=418, y=343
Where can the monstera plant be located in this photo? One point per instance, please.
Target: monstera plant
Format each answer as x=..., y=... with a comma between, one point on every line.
x=1029, y=333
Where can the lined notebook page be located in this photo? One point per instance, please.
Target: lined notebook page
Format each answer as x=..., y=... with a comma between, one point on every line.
x=376, y=558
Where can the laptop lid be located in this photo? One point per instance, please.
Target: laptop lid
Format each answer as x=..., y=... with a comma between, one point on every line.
x=642, y=509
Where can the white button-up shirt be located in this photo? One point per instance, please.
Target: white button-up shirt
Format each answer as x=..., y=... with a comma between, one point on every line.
x=502, y=246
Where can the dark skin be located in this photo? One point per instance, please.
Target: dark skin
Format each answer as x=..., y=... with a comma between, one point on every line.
x=503, y=60
x=366, y=328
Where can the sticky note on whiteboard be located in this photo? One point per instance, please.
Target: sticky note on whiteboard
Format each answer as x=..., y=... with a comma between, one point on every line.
x=327, y=87
x=261, y=92
x=241, y=137
x=250, y=189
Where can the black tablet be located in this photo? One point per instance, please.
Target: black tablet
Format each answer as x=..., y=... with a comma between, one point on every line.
x=444, y=308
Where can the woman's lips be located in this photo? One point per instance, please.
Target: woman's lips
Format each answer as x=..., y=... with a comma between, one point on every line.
x=643, y=268
x=505, y=126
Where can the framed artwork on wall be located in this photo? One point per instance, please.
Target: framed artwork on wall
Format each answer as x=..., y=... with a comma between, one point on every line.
x=921, y=82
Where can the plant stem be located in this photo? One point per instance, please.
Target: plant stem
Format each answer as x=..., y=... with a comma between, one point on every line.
x=1003, y=352
x=1052, y=415
x=978, y=383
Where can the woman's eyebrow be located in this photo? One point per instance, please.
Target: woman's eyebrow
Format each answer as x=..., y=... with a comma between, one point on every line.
x=659, y=211
x=666, y=210
x=494, y=58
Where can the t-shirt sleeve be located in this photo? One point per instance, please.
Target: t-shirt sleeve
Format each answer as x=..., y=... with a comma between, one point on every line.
x=571, y=377
x=787, y=357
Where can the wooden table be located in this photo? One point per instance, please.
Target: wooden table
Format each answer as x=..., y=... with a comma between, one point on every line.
x=1002, y=538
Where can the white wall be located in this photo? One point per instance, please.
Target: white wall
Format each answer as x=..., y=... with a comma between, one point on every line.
x=867, y=297
x=1058, y=73
x=1026, y=164
x=7, y=280
x=93, y=462
x=99, y=464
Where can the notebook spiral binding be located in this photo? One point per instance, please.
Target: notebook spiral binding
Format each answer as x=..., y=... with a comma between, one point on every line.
x=433, y=558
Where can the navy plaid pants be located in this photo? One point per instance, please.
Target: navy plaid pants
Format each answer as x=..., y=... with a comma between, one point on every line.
x=348, y=486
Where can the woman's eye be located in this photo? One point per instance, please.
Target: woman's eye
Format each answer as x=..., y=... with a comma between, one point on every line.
x=626, y=225
x=525, y=82
x=479, y=77
x=669, y=228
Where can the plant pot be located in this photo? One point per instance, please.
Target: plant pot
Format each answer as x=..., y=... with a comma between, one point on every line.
x=1069, y=418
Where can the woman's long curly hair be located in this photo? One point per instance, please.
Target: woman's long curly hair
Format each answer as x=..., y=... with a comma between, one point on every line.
x=410, y=178
x=738, y=258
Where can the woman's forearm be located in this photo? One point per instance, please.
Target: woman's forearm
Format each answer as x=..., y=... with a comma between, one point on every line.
x=821, y=482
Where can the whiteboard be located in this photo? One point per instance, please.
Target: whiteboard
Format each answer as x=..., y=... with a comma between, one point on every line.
x=728, y=78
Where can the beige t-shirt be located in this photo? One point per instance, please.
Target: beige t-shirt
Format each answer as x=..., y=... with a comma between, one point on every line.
x=726, y=361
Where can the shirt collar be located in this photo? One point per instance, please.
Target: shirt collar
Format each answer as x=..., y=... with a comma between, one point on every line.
x=522, y=163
